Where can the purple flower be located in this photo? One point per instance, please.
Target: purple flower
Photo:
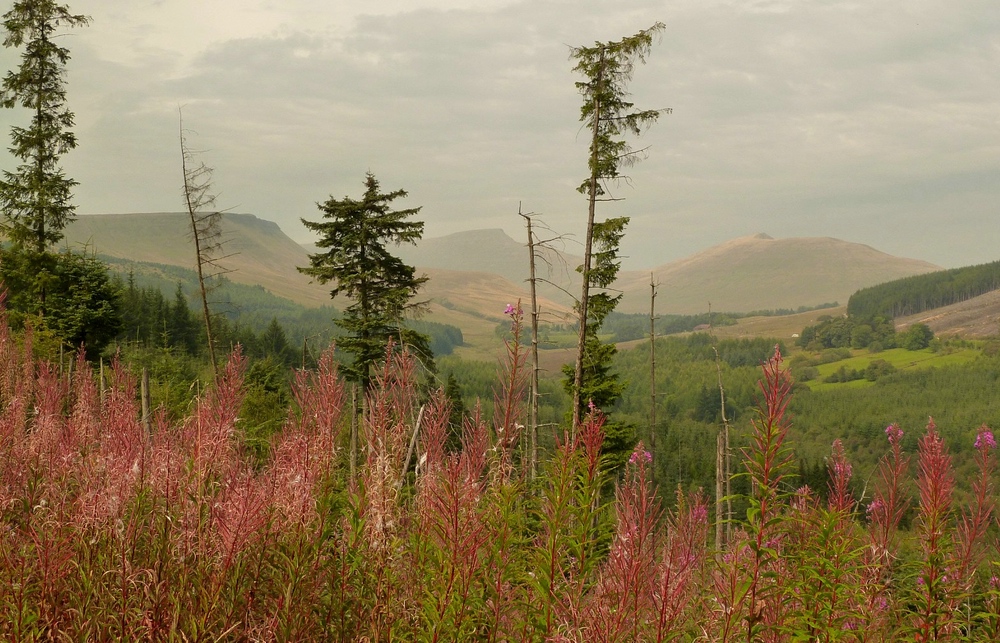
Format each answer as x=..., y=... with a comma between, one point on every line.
x=985, y=440
x=894, y=433
x=640, y=456
x=509, y=310
x=876, y=509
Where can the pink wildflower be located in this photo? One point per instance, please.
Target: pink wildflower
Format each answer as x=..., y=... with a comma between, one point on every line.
x=894, y=433
x=876, y=508
x=640, y=456
x=985, y=440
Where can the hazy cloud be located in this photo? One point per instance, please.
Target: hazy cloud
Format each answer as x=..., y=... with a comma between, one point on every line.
x=871, y=122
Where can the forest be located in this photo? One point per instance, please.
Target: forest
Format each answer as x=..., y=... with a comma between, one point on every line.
x=916, y=294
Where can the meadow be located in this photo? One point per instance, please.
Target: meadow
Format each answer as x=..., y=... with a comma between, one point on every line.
x=116, y=531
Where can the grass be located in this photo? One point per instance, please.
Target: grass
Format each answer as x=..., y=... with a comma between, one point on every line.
x=900, y=358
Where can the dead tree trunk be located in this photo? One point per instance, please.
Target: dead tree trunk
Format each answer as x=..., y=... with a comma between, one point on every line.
x=652, y=374
x=533, y=419
x=206, y=231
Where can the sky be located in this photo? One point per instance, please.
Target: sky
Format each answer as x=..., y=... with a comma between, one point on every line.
x=876, y=122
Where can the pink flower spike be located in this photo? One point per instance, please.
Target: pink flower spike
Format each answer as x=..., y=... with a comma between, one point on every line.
x=985, y=440
x=509, y=310
x=894, y=433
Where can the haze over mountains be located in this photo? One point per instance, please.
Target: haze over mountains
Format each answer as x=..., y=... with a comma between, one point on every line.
x=474, y=274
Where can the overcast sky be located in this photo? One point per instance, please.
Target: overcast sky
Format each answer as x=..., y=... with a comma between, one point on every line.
x=875, y=121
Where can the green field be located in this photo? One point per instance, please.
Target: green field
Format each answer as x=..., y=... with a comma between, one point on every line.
x=902, y=359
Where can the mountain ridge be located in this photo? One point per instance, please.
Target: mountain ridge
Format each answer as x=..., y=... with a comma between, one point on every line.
x=755, y=272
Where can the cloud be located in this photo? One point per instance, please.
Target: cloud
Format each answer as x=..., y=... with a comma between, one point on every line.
x=872, y=122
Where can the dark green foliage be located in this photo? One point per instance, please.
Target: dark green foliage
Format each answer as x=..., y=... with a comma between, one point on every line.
x=443, y=337
x=844, y=374
x=35, y=198
x=917, y=337
x=600, y=384
x=83, y=303
x=355, y=235
x=608, y=67
x=265, y=404
x=916, y=294
x=151, y=320
x=688, y=400
x=175, y=378
x=848, y=332
x=877, y=369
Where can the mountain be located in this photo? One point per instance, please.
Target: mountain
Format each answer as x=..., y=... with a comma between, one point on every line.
x=763, y=273
x=474, y=274
x=741, y=275
x=255, y=251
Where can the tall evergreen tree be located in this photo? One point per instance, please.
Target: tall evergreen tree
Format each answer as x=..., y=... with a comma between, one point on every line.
x=354, y=234
x=599, y=384
x=36, y=198
x=607, y=67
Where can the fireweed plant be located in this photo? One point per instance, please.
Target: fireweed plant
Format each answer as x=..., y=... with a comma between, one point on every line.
x=110, y=532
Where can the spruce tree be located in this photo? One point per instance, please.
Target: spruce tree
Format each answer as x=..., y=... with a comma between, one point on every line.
x=355, y=235
x=607, y=68
x=36, y=197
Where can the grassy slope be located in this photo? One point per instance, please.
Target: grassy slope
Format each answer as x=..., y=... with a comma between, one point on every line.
x=902, y=359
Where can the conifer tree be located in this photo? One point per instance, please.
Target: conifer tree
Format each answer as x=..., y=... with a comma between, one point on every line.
x=355, y=235
x=607, y=67
x=36, y=197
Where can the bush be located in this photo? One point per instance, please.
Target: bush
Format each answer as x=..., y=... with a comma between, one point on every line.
x=878, y=368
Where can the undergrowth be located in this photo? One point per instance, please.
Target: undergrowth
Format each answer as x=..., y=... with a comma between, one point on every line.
x=111, y=532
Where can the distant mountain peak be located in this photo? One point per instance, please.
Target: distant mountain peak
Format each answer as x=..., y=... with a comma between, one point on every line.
x=763, y=235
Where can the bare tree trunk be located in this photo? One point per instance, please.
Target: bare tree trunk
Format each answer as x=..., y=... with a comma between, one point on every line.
x=722, y=465
x=413, y=445
x=533, y=420
x=652, y=375
x=205, y=230
x=719, y=484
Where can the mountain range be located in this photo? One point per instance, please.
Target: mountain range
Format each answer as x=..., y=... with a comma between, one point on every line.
x=474, y=274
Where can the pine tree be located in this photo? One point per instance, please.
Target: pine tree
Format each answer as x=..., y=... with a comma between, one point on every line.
x=381, y=287
x=36, y=198
x=608, y=67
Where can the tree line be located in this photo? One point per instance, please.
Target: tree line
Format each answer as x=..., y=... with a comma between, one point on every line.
x=912, y=295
